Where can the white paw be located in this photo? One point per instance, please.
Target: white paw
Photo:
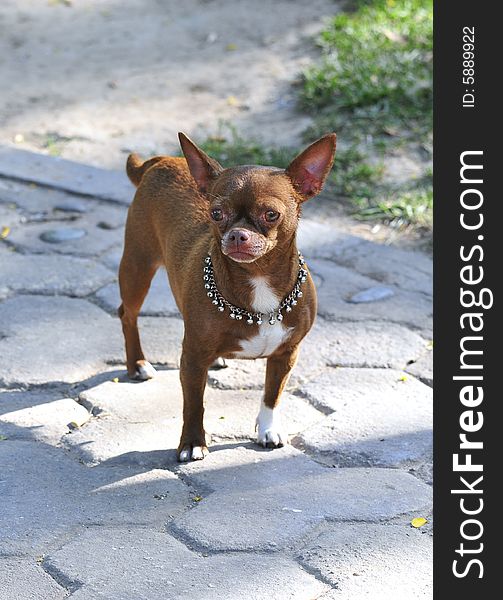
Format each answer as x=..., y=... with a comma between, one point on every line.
x=271, y=438
x=194, y=453
x=144, y=370
x=270, y=433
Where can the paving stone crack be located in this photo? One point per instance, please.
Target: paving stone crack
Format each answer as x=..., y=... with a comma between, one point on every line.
x=316, y=573
x=70, y=585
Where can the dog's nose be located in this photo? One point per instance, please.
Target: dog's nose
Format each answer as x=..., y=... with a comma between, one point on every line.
x=238, y=235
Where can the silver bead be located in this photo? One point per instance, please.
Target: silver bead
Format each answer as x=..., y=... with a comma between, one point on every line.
x=221, y=308
x=288, y=309
x=215, y=302
x=279, y=317
x=239, y=317
x=210, y=294
x=299, y=294
x=272, y=320
x=249, y=321
x=259, y=321
x=207, y=260
x=206, y=278
x=207, y=286
x=303, y=279
x=294, y=302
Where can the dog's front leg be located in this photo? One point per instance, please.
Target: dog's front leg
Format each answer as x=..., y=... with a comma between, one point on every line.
x=193, y=375
x=270, y=433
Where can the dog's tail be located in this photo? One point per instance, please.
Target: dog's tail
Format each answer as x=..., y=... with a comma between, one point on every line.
x=135, y=167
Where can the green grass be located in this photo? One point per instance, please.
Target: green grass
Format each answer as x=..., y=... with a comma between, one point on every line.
x=376, y=67
x=354, y=176
x=401, y=208
x=52, y=146
x=229, y=148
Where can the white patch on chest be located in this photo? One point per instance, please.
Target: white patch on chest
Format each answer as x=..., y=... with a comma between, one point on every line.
x=264, y=298
x=269, y=337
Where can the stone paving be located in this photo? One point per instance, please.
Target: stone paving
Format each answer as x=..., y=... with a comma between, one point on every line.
x=93, y=502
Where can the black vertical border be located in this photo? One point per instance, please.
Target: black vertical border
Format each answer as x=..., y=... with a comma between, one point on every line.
x=457, y=129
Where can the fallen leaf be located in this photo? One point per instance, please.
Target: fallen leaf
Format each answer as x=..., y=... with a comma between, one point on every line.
x=221, y=417
x=4, y=232
x=197, y=498
x=403, y=378
x=232, y=101
x=115, y=380
x=231, y=47
x=418, y=522
x=3, y=438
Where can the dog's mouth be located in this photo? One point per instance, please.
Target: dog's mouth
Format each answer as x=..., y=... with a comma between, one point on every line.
x=242, y=256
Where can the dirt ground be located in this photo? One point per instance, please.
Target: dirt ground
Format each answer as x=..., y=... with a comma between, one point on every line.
x=91, y=80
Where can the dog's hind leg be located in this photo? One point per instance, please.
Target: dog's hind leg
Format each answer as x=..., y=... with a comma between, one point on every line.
x=136, y=271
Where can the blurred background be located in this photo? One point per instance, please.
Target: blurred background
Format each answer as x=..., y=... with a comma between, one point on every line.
x=252, y=82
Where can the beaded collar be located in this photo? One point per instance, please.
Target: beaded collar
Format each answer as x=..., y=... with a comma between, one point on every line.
x=237, y=313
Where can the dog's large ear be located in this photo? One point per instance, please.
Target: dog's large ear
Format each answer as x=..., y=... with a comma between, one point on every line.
x=202, y=167
x=310, y=168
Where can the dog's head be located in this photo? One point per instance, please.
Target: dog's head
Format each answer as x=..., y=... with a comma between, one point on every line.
x=254, y=209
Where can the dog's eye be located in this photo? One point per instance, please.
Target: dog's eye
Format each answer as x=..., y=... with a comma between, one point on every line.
x=271, y=216
x=217, y=214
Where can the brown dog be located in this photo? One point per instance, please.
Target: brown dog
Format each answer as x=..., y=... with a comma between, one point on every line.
x=227, y=238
